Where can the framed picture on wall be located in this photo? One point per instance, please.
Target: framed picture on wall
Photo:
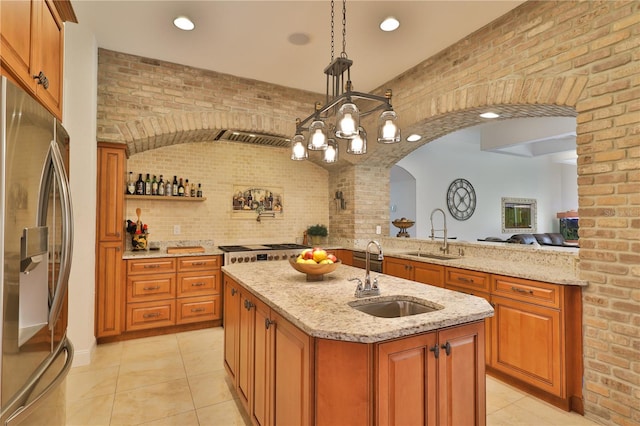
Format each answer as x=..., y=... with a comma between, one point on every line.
x=519, y=215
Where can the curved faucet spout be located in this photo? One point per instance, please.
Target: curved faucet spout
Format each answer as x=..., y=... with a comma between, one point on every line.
x=368, y=289
x=445, y=244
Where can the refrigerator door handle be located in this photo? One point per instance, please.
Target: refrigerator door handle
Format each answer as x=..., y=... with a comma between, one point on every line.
x=54, y=170
x=17, y=416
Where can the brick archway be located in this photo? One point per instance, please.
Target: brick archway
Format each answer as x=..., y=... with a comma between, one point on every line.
x=442, y=114
x=172, y=129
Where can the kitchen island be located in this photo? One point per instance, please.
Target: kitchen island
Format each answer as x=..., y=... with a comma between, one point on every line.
x=299, y=353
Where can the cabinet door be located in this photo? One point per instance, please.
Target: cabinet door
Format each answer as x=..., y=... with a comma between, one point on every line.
x=18, y=20
x=109, y=296
x=428, y=273
x=406, y=381
x=292, y=375
x=262, y=346
x=398, y=268
x=231, y=324
x=245, y=348
x=526, y=343
x=49, y=56
x=461, y=378
x=110, y=197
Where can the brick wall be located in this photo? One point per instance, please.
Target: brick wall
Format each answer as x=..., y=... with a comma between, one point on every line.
x=542, y=59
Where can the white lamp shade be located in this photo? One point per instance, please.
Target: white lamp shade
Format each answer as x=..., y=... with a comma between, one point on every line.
x=298, y=149
x=358, y=144
x=331, y=153
x=388, y=130
x=317, y=136
x=347, y=121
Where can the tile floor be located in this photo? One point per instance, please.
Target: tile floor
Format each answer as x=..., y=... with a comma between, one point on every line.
x=179, y=379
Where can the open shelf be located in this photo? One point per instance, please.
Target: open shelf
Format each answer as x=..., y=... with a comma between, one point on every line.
x=162, y=198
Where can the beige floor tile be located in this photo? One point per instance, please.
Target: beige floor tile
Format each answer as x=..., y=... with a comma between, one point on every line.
x=211, y=388
x=90, y=411
x=190, y=418
x=200, y=340
x=157, y=346
x=92, y=383
x=223, y=414
x=150, y=371
x=152, y=402
x=500, y=395
x=201, y=362
x=549, y=414
x=107, y=355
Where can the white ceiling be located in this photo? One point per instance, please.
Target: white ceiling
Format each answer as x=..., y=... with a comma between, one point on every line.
x=250, y=38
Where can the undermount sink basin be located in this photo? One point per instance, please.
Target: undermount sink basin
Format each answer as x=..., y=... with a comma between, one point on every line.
x=431, y=256
x=392, y=308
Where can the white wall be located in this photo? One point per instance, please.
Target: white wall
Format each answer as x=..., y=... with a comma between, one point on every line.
x=79, y=118
x=402, y=199
x=493, y=176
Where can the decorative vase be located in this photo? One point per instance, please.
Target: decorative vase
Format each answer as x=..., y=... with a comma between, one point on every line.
x=316, y=240
x=139, y=241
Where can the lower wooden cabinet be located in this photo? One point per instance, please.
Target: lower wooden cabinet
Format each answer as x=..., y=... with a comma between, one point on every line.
x=426, y=273
x=110, y=275
x=432, y=378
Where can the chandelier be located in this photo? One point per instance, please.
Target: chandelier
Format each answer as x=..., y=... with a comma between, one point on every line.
x=346, y=107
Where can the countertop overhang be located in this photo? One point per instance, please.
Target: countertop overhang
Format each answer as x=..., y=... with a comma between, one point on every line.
x=321, y=308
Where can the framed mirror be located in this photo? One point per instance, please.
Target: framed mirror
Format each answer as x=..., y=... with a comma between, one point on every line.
x=519, y=215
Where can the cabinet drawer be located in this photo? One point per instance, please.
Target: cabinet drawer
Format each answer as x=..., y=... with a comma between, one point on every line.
x=198, y=263
x=145, y=288
x=145, y=315
x=194, y=309
x=151, y=266
x=198, y=283
x=471, y=280
x=544, y=294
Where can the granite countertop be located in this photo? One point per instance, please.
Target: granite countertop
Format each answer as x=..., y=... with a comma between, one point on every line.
x=321, y=308
x=501, y=266
x=162, y=252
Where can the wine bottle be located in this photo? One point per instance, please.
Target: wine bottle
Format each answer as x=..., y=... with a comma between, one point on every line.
x=131, y=185
x=140, y=185
x=161, y=186
x=199, y=193
x=187, y=192
x=180, y=189
x=193, y=190
x=174, y=187
x=147, y=185
x=250, y=200
x=154, y=186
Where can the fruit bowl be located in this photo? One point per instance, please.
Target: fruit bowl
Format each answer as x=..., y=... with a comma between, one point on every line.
x=315, y=272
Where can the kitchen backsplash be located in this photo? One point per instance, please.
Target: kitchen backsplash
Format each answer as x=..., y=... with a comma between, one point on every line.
x=220, y=166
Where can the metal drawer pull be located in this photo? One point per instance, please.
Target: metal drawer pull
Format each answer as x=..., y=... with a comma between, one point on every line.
x=197, y=310
x=233, y=291
x=198, y=284
x=155, y=265
x=436, y=351
x=152, y=315
x=268, y=323
x=447, y=348
x=152, y=288
x=198, y=263
x=519, y=290
x=465, y=280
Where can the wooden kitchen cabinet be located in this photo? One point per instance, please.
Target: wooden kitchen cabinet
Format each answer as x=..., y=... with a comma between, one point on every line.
x=110, y=268
x=432, y=378
x=32, y=45
x=426, y=273
x=268, y=359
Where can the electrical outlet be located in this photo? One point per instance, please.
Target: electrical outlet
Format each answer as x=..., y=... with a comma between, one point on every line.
x=176, y=229
x=378, y=229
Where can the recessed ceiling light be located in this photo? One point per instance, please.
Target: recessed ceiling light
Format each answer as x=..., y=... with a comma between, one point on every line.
x=184, y=23
x=413, y=138
x=389, y=24
x=489, y=115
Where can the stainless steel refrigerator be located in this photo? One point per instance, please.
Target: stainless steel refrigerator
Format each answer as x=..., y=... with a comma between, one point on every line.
x=36, y=246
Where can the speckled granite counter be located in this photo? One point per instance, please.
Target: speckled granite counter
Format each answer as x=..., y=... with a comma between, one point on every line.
x=321, y=309
x=209, y=250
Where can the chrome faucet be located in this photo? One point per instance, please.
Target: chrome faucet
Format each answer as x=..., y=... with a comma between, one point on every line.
x=445, y=245
x=369, y=289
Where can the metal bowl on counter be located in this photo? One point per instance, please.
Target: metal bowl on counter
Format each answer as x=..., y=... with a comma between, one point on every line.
x=314, y=272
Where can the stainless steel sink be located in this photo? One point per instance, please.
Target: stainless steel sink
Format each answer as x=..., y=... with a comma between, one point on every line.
x=431, y=256
x=394, y=308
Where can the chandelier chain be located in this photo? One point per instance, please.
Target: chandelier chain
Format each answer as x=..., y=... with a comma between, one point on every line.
x=332, y=14
x=344, y=28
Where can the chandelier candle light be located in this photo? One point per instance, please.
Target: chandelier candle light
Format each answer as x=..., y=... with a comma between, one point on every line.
x=341, y=103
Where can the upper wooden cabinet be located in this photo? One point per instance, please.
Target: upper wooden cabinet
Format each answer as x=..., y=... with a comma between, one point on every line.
x=110, y=192
x=32, y=47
